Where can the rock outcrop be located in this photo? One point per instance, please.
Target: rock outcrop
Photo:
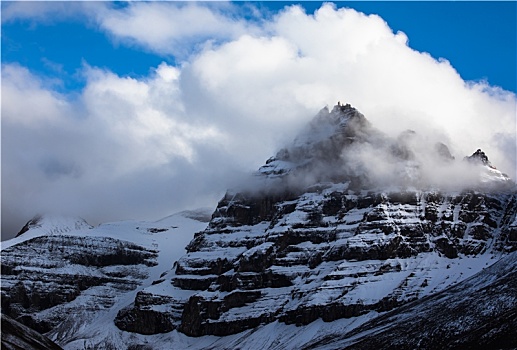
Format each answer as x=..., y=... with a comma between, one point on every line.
x=16, y=336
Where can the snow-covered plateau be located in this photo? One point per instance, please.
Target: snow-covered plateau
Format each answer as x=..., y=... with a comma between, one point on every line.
x=347, y=238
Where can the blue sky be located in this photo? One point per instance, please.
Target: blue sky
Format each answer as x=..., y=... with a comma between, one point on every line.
x=478, y=38
x=136, y=110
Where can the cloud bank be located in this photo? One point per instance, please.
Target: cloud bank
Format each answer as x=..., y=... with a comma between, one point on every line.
x=128, y=148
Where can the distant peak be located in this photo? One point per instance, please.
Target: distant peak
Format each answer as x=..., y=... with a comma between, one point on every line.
x=201, y=214
x=443, y=152
x=54, y=224
x=479, y=157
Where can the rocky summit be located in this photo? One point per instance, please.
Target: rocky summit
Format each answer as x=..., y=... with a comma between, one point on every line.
x=345, y=233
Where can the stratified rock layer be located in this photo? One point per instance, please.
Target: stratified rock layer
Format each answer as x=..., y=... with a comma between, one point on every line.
x=333, y=253
x=42, y=273
x=312, y=238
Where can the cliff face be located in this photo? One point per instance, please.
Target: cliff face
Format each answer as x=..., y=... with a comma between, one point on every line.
x=313, y=236
x=342, y=225
x=332, y=254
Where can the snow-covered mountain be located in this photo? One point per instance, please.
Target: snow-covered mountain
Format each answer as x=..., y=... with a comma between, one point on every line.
x=67, y=279
x=346, y=231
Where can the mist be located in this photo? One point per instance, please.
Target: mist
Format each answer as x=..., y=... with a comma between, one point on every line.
x=419, y=162
x=342, y=147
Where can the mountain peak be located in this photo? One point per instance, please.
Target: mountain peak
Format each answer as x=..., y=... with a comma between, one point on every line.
x=341, y=146
x=322, y=141
x=479, y=157
x=342, y=120
x=489, y=174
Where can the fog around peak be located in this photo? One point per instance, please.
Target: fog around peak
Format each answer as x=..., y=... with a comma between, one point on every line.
x=342, y=146
x=143, y=147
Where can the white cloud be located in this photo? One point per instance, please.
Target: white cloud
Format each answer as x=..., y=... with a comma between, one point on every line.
x=124, y=148
x=141, y=148
x=47, y=11
x=167, y=28
x=19, y=87
x=339, y=54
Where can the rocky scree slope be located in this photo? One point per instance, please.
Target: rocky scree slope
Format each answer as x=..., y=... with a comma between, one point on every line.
x=315, y=235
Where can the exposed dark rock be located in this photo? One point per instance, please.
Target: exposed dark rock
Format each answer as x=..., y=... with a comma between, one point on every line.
x=205, y=267
x=150, y=314
x=329, y=312
x=143, y=321
x=210, y=312
x=16, y=336
x=193, y=282
x=251, y=281
x=30, y=224
x=257, y=261
x=480, y=157
x=446, y=247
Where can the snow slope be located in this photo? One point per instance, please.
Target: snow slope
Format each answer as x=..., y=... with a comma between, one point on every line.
x=93, y=310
